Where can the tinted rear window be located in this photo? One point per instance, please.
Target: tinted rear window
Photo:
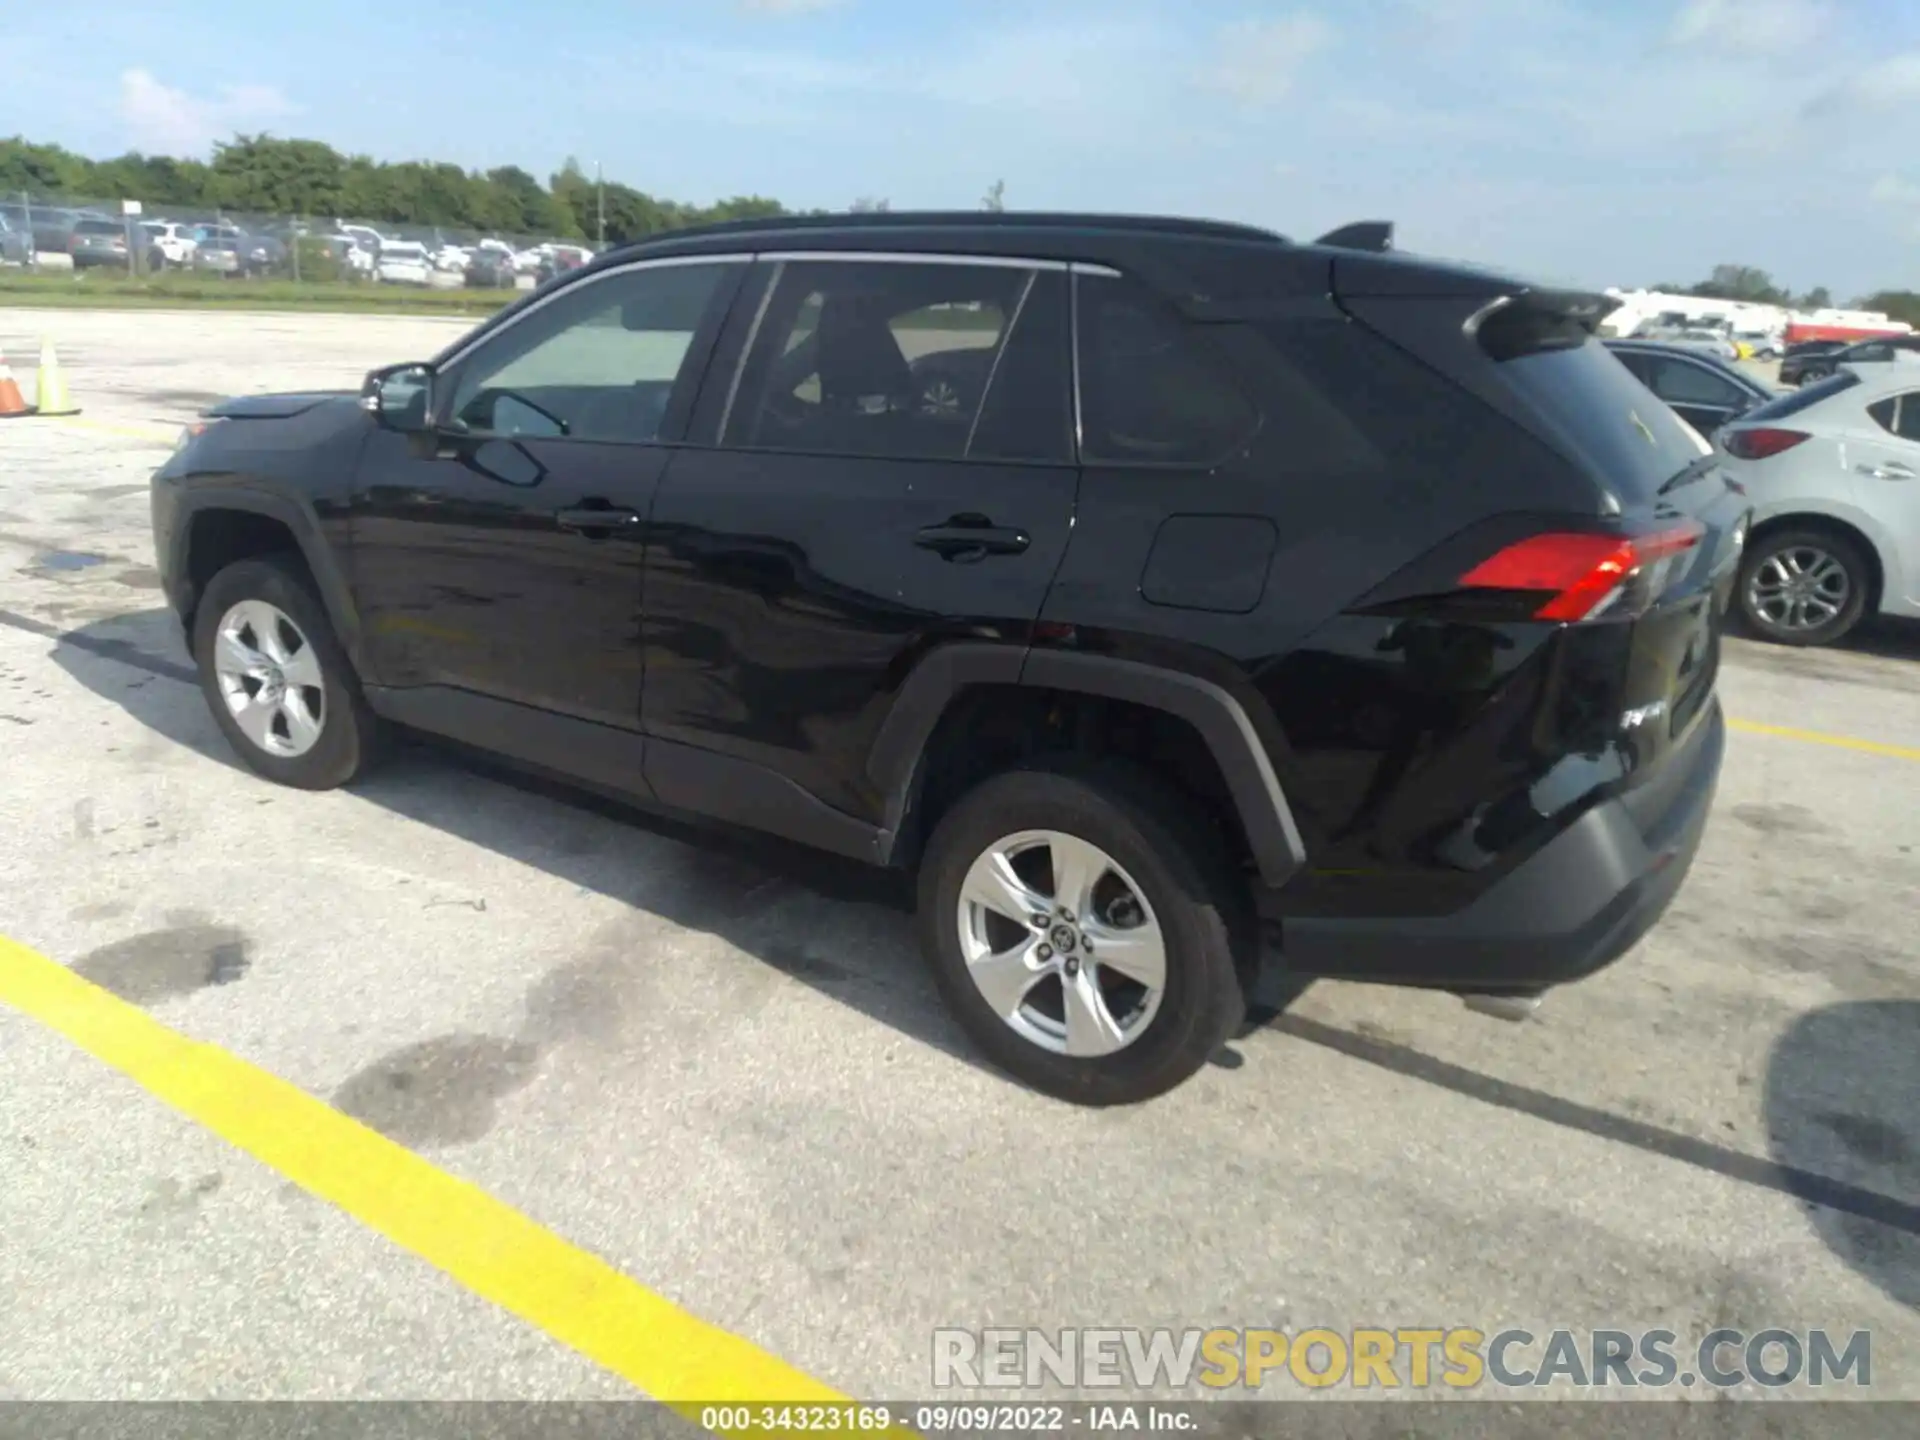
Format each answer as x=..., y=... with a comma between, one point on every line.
x=1605, y=416
x=1794, y=401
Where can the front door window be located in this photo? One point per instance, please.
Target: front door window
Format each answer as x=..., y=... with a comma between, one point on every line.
x=597, y=362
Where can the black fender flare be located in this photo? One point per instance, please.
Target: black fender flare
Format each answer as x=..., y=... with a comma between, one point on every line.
x=893, y=761
x=300, y=521
x=1219, y=718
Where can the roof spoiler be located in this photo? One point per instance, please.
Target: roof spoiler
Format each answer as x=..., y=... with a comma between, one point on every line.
x=1533, y=320
x=1374, y=235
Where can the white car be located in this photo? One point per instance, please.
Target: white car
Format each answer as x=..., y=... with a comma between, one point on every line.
x=404, y=262
x=171, y=242
x=364, y=236
x=1834, y=474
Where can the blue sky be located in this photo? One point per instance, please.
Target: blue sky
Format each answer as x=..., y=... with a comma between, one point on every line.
x=1599, y=141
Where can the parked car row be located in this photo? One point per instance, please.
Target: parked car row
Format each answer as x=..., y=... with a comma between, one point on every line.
x=489, y=263
x=408, y=256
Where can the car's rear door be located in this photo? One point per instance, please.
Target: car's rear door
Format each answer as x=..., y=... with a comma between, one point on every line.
x=500, y=557
x=1886, y=461
x=881, y=462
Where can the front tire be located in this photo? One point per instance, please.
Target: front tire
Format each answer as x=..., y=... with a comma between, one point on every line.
x=1803, y=587
x=276, y=678
x=1125, y=973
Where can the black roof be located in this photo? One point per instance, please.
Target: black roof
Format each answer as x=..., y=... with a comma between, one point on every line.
x=1162, y=249
x=1211, y=269
x=957, y=221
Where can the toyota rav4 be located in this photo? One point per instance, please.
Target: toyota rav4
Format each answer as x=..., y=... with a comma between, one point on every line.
x=1165, y=594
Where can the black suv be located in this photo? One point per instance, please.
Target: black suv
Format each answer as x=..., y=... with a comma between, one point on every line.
x=1150, y=587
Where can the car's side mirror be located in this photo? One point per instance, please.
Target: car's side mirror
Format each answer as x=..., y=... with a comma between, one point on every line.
x=400, y=398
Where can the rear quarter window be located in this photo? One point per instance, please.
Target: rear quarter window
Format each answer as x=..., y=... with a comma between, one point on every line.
x=1153, y=390
x=1605, y=417
x=1356, y=422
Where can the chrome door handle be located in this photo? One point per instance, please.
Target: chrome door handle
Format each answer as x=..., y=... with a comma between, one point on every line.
x=1886, y=472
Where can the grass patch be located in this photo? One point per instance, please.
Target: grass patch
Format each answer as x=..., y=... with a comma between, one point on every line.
x=172, y=291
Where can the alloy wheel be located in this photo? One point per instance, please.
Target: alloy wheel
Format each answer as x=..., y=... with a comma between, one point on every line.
x=1062, y=944
x=1798, y=588
x=270, y=678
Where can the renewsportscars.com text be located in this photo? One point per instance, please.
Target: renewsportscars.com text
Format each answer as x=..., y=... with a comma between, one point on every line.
x=1459, y=1358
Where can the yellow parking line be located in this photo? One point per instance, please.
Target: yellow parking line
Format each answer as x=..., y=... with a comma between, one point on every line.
x=151, y=433
x=485, y=1245
x=1839, y=742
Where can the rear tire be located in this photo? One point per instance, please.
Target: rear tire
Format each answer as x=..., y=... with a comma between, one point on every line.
x=1803, y=586
x=277, y=680
x=1162, y=883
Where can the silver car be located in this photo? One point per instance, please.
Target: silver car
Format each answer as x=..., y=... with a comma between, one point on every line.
x=1833, y=471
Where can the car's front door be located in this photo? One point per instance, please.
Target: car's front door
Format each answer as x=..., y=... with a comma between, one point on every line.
x=890, y=469
x=500, y=555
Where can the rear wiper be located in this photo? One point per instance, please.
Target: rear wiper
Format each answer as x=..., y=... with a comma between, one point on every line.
x=1690, y=474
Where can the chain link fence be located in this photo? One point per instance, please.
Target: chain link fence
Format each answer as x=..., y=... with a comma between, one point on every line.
x=91, y=236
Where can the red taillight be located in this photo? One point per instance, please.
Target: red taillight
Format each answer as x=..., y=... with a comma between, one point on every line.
x=1761, y=442
x=1584, y=574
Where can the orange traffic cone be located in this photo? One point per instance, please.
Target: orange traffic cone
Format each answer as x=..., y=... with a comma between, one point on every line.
x=51, y=397
x=12, y=403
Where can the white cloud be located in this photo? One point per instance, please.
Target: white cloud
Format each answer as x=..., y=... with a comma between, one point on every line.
x=164, y=121
x=1753, y=27
x=1259, y=60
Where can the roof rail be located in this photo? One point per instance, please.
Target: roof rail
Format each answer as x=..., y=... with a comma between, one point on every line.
x=1011, y=219
x=1376, y=235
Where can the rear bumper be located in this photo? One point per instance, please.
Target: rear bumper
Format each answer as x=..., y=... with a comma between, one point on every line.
x=1576, y=906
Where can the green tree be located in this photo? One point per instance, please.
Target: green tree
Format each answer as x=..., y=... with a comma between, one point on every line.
x=263, y=175
x=1741, y=282
x=1818, y=298
x=996, y=197
x=41, y=169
